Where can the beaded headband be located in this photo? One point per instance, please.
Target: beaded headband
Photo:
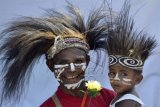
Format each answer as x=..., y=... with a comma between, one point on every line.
x=128, y=62
x=67, y=42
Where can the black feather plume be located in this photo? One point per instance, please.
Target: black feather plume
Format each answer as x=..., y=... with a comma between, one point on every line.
x=124, y=39
x=28, y=38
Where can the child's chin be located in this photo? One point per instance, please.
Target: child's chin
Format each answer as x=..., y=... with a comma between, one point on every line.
x=118, y=91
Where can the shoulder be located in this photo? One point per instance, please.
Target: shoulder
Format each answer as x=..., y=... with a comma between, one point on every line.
x=48, y=103
x=130, y=100
x=131, y=97
x=128, y=103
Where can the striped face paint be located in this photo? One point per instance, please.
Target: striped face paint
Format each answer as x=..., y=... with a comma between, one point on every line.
x=72, y=66
x=59, y=72
x=75, y=85
x=82, y=65
x=59, y=69
x=126, y=81
x=118, y=77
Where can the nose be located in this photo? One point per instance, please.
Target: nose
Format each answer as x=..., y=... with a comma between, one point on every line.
x=116, y=77
x=72, y=66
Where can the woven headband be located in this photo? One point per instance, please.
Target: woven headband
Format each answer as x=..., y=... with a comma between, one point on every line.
x=68, y=42
x=128, y=62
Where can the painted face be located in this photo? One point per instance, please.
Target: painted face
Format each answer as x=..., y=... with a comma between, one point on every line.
x=69, y=67
x=122, y=79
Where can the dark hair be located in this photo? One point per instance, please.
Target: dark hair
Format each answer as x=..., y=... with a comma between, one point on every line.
x=124, y=37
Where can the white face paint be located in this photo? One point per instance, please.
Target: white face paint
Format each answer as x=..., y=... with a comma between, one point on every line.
x=75, y=85
x=116, y=77
x=72, y=66
x=60, y=69
x=60, y=66
x=59, y=72
x=83, y=65
x=124, y=81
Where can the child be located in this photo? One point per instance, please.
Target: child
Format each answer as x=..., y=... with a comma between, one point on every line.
x=127, y=50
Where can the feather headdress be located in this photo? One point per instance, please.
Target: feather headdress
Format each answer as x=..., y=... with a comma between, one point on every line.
x=126, y=45
x=27, y=39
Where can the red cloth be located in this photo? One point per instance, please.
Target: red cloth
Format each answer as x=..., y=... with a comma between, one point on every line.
x=103, y=100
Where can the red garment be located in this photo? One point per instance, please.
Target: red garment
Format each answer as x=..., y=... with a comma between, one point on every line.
x=103, y=100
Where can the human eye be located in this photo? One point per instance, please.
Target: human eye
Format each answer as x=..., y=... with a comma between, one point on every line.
x=111, y=74
x=124, y=74
x=79, y=61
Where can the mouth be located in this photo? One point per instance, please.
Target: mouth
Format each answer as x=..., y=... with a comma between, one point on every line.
x=70, y=78
x=116, y=87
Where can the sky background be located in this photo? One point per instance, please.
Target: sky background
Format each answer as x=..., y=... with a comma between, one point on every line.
x=43, y=84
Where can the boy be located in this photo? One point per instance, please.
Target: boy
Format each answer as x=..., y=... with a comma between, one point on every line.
x=127, y=50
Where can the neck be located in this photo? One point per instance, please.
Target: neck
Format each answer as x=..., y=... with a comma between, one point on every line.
x=74, y=92
x=131, y=91
x=119, y=95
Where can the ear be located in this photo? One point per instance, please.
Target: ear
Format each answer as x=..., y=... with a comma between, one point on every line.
x=50, y=64
x=138, y=78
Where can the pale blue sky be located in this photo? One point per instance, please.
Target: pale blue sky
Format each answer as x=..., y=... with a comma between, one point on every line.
x=43, y=84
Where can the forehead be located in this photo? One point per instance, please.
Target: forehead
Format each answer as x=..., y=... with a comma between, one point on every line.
x=70, y=53
x=118, y=67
